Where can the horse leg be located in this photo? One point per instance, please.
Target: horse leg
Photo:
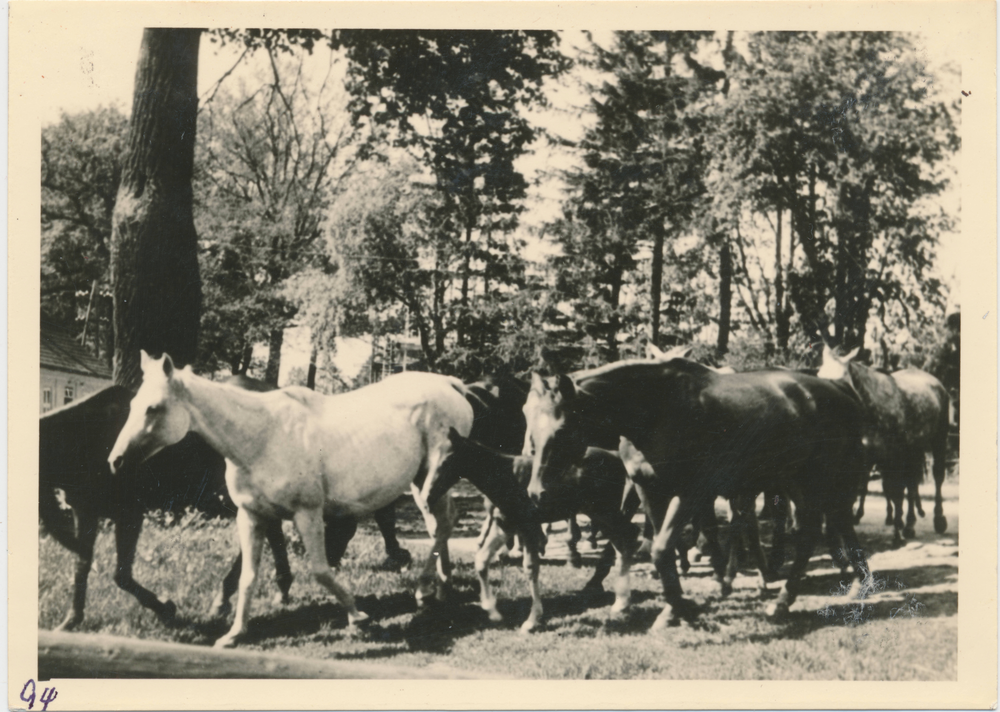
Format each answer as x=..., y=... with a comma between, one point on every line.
x=251, y=537
x=487, y=523
x=337, y=534
x=940, y=452
x=396, y=556
x=621, y=535
x=282, y=569
x=654, y=510
x=127, y=532
x=310, y=524
x=753, y=543
x=862, y=496
x=840, y=524
x=809, y=523
x=894, y=489
x=532, y=567
x=575, y=560
x=710, y=530
x=678, y=513
x=494, y=539
x=435, y=582
x=85, y=535
x=736, y=540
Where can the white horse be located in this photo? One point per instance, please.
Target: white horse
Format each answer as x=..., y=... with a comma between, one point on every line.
x=296, y=454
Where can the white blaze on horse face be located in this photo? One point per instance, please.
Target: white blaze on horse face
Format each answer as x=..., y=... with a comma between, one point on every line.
x=544, y=421
x=155, y=419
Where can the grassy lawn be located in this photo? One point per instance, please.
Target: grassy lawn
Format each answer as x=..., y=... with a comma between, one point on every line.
x=904, y=629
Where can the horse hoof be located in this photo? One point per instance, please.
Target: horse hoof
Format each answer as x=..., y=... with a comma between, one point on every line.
x=494, y=615
x=226, y=641
x=71, y=622
x=777, y=611
x=356, y=619
x=888, y=521
x=909, y=533
x=619, y=608
x=529, y=626
x=396, y=560
x=727, y=588
x=858, y=516
x=940, y=524
x=685, y=566
x=575, y=560
x=167, y=612
x=281, y=599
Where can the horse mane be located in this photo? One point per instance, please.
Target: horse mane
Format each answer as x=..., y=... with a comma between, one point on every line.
x=634, y=369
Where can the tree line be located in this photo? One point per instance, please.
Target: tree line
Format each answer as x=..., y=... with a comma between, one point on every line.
x=741, y=191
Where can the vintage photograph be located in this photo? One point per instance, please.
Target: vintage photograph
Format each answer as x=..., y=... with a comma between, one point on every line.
x=583, y=354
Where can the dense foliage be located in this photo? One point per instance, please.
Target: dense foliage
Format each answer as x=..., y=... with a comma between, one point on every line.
x=741, y=191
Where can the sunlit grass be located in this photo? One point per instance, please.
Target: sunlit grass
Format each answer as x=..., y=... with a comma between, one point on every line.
x=896, y=640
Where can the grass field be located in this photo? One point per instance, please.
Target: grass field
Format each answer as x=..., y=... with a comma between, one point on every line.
x=905, y=629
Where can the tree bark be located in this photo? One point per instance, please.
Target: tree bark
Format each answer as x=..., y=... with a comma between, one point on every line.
x=276, y=339
x=725, y=297
x=780, y=315
x=656, y=281
x=154, y=247
x=311, y=373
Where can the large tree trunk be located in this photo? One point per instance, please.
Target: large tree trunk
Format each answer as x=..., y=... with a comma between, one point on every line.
x=725, y=297
x=154, y=248
x=656, y=281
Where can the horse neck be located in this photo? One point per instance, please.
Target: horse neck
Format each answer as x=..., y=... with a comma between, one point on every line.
x=233, y=421
x=610, y=412
x=875, y=389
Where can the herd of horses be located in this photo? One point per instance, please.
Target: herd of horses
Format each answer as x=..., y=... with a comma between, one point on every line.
x=664, y=434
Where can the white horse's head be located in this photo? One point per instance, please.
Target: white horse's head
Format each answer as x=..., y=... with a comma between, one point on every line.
x=836, y=367
x=156, y=419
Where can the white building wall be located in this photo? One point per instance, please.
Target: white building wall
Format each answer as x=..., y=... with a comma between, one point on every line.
x=60, y=386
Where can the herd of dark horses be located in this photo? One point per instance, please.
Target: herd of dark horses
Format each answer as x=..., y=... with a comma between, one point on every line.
x=665, y=435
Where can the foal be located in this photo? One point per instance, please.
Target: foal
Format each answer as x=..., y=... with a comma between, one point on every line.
x=593, y=488
x=295, y=454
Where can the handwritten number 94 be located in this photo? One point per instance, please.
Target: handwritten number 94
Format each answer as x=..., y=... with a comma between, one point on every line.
x=48, y=695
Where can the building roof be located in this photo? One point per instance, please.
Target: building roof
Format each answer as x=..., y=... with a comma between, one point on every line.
x=61, y=352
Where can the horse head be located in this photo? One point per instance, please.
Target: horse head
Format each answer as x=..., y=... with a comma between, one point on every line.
x=156, y=419
x=836, y=367
x=553, y=437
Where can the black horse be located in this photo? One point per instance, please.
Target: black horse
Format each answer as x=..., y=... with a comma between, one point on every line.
x=706, y=435
x=74, y=443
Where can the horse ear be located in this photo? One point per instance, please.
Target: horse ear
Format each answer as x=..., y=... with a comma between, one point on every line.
x=850, y=355
x=566, y=387
x=678, y=352
x=168, y=366
x=653, y=352
x=453, y=435
x=143, y=358
x=537, y=383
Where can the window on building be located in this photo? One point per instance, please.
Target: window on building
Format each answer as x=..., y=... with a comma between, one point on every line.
x=68, y=394
x=46, y=399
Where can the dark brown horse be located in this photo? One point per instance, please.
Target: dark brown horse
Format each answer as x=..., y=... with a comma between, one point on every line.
x=707, y=435
x=593, y=488
x=74, y=443
x=906, y=415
